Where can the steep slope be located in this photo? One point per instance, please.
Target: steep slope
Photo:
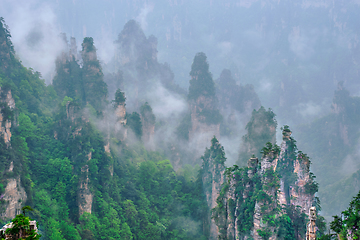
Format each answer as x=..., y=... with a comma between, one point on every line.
x=203, y=104
x=333, y=141
x=270, y=200
x=85, y=182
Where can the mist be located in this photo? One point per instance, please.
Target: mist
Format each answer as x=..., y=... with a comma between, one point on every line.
x=293, y=55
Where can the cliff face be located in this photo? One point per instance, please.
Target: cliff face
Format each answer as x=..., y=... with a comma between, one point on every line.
x=148, y=123
x=203, y=104
x=299, y=187
x=14, y=195
x=254, y=201
x=73, y=127
x=213, y=177
x=120, y=113
x=235, y=102
x=202, y=131
x=85, y=197
x=260, y=129
x=8, y=105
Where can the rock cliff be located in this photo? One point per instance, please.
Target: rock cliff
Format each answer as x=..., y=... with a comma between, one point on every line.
x=148, y=123
x=203, y=104
x=212, y=173
x=6, y=115
x=254, y=201
x=14, y=195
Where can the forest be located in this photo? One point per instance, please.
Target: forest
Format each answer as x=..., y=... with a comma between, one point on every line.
x=121, y=150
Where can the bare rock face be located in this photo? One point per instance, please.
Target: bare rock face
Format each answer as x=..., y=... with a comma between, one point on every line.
x=300, y=195
x=302, y=191
x=281, y=182
x=148, y=120
x=202, y=132
x=15, y=196
x=5, y=124
x=213, y=177
x=85, y=197
x=120, y=113
x=266, y=205
x=311, y=225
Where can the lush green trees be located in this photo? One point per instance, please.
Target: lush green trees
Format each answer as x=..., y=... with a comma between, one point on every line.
x=21, y=227
x=55, y=145
x=201, y=82
x=94, y=87
x=238, y=97
x=147, y=113
x=260, y=129
x=202, y=92
x=119, y=97
x=348, y=225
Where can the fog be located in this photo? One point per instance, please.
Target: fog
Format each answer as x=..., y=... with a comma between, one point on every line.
x=294, y=53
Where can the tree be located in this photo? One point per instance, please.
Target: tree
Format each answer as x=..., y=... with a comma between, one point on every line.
x=201, y=82
x=349, y=224
x=261, y=129
x=21, y=227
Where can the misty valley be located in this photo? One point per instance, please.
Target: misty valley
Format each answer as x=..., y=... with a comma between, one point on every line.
x=121, y=149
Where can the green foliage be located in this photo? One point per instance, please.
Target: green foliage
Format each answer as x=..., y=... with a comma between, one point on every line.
x=68, y=79
x=135, y=124
x=349, y=223
x=311, y=187
x=6, y=112
x=269, y=148
x=21, y=228
x=119, y=97
x=265, y=234
x=247, y=192
x=285, y=228
x=285, y=166
x=182, y=131
x=85, y=84
x=88, y=45
x=147, y=113
x=261, y=129
x=211, y=116
x=201, y=83
x=55, y=148
x=238, y=97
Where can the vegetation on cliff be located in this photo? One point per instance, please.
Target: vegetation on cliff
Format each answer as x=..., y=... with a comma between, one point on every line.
x=21, y=227
x=348, y=224
x=86, y=182
x=260, y=129
x=77, y=189
x=267, y=199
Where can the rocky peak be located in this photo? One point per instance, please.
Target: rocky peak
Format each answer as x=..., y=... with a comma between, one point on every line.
x=148, y=122
x=205, y=116
x=94, y=87
x=6, y=48
x=88, y=52
x=14, y=194
x=283, y=184
x=120, y=114
x=261, y=129
x=213, y=177
x=6, y=115
x=234, y=96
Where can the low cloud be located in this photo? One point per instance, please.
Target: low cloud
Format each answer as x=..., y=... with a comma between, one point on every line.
x=302, y=44
x=166, y=104
x=141, y=18
x=35, y=35
x=311, y=110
